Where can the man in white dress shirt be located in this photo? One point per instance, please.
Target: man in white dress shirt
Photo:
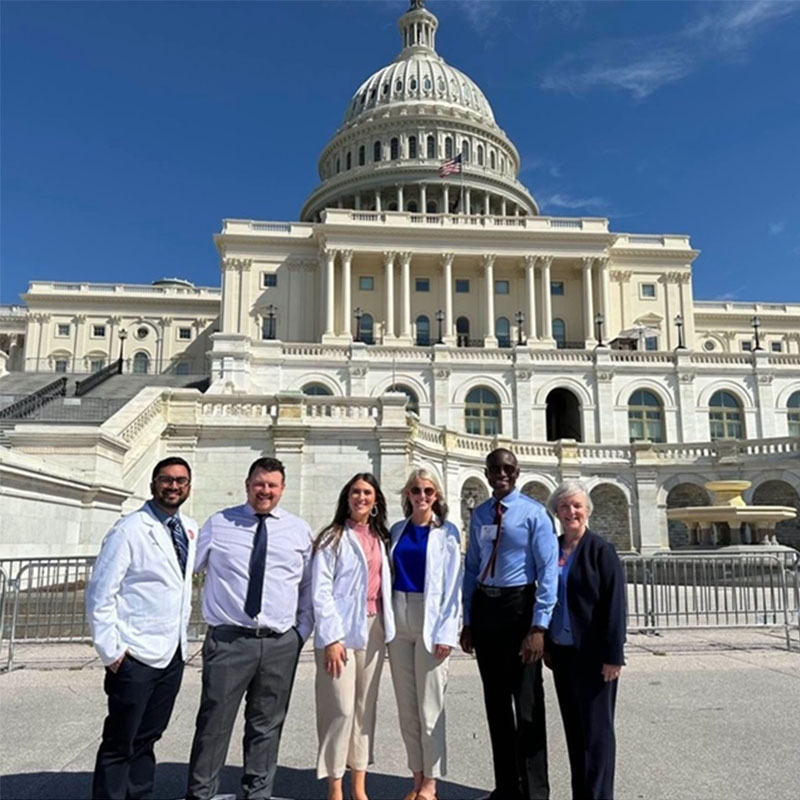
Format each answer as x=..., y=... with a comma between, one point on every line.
x=257, y=604
x=138, y=603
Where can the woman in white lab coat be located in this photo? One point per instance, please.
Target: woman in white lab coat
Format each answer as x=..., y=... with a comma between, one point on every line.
x=352, y=588
x=426, y=556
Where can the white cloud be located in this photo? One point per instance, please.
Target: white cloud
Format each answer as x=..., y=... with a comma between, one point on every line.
x=480, y=14
x=776, y=228
x=641, y=66
x=560, y=200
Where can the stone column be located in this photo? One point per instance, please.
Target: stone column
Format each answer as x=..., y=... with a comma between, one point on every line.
x=622, y=277
x=162, y=356
x=547, y=303
x=486, y=204
x=687, y=412
x=764, y=394
x=377, y=199
x=244, y=304
x=423, y=199
x=347, y=260
x=446, y=199
x=230, y=293
x=79, y=320
x=605, y=306
x=388, y=263
x=588, y=304
x=467, y=201
x=489, y=340
x=530, y=287
x=329, y=257
x=449, y=322
x=357, y=202
x=502, y=207
x=400, y=203
x=405, y=297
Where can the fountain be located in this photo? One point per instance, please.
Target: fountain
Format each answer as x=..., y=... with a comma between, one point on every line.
x=730, y=507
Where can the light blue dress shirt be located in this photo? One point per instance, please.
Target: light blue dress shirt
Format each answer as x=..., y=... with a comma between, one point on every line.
x=223, y=550
x=528, y=553
x=561, y=624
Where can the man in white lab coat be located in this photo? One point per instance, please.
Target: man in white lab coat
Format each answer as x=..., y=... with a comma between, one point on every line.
x=138, y=603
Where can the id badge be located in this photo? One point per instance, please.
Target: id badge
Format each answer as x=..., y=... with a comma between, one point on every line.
x=488, y=533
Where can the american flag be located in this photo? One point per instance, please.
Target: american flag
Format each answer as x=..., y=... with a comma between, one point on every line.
x=451, y=167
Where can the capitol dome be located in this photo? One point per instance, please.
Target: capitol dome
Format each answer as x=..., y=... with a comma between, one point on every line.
x=403, y=123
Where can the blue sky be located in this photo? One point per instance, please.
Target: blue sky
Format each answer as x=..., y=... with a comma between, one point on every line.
x=130, y=130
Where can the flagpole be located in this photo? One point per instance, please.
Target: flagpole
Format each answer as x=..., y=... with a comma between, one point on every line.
x=461, y=201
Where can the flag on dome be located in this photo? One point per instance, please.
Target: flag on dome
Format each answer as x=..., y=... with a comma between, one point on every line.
x=451, y=167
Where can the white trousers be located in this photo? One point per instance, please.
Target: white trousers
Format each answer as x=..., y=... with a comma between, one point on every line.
x=420, y=681
x=347, y=705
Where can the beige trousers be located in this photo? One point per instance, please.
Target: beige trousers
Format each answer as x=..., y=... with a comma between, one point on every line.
x=420, y=681
x=346, y=706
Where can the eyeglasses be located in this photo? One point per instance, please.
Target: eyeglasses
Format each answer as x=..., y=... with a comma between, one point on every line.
x=508, y=469
x=429, y=491
x=168, y=480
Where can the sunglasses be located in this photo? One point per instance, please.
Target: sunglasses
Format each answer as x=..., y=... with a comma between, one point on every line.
x=507, y=469
x=429, y=491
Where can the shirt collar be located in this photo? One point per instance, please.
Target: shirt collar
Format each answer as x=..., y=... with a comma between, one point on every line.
x=276, y=512
x=508, y=499
x=159, y=512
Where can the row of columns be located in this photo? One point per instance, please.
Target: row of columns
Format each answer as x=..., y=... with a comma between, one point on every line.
x=542, y=332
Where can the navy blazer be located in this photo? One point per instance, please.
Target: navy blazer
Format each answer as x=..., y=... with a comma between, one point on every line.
x=596, y=599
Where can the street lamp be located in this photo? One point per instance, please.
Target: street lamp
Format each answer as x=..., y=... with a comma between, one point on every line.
x=679, y=326
x=599, y=319
x=440, y=320
x=123, y=335
x=756, y=323
x=271, y=311
x=358, y=314
x=520, y=319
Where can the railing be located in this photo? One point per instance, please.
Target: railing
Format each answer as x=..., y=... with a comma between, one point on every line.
x=96, y=378
x=35, y=400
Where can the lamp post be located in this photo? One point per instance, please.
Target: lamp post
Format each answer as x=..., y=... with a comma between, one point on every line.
x=679, y=326
x=599, y=319
x=440, y=320
x=756, y=323
x=358, y=314
x=123, y=335
x=520, y=320
x=271, y=311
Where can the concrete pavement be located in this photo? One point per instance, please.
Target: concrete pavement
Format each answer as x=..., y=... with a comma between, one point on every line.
x=701, y=716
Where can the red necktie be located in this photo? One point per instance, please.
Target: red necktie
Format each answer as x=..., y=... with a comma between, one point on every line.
x=498, y=521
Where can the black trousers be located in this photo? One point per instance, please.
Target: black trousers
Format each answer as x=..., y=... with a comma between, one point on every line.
x=260, y=669
x=140, y=703
x=587, y=706
x=513, y=694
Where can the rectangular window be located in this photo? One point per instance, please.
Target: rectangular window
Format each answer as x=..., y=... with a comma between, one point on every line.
x=776, y=347
x=556, y=288
x=61, y=365
x=747, y=346
x=502, y=287
x=99, y=331
x=422, y=284
x=366, y=283
x=462, y=285
x=185, y=334
x=268, y=280
x=97, y=364
x=651, y=343
x=62, y=329
x=647, y=291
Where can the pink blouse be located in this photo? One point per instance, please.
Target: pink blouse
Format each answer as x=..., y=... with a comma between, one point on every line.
x=373, y=550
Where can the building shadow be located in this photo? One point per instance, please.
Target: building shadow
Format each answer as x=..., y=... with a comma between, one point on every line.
x=290, y=783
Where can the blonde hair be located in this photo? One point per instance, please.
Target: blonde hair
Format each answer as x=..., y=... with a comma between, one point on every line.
x=423, y=474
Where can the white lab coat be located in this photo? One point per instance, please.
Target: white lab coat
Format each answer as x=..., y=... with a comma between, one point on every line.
x=137, y=600
x=339, y=576
x=442, y=583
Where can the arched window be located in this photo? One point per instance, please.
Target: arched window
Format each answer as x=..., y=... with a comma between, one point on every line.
x=412, y=146
x=362, y=155
x=503, y=331
x=480, y=155
x=338, y=165
x=462, y=332
x=348, y=161
x=482, y=412
x=432, y=207
x=317, y=390
x=448, y=147
x=431, y=147
x=492, y=160
x=645, y=417
x=141, y=363
x=794, y=414
x=465, y=151
x=394, y=148
x=423, y=331
x=560, y=332
x=413, y=400
x=367, y=329
x=725, y=418
x=376, y=151
x=412, y=206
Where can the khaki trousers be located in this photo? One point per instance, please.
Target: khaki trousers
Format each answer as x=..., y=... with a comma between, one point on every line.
x=420, y=681
x=346, y=706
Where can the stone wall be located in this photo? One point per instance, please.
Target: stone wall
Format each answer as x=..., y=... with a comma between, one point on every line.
x=780, y=493
x=611, y=517
x=680, y=496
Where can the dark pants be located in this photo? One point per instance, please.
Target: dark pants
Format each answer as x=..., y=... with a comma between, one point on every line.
x=513, y=694
x=140, y=702
x=260, y=669
x=587, y=709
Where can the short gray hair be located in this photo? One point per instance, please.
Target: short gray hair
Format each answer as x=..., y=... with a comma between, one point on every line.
x=567, y=489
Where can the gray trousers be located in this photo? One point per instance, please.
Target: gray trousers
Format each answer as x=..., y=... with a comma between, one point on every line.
x=262, y=670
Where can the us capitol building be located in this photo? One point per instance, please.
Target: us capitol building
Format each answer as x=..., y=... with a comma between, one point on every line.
x=409, y=317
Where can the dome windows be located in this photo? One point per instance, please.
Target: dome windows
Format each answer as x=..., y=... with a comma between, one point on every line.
x=362, y=155
x=398, y=86
x=431, y=145
x=426, y=84
x=372, y=94
x=412, y=85
x=448, y=147
x=394, y=149
x=376, y=151
x=348, y=160
x=492, y=160
x=480, y=155
x=440, y=85
x=412, y=146
x=465, y=151
x=385, y=89
x=338, y=165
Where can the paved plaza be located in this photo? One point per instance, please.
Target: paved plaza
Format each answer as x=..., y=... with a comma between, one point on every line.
x=701, y=716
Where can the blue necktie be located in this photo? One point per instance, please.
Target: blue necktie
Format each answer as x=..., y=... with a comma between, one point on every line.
x=179, y=541
x=258, y=559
